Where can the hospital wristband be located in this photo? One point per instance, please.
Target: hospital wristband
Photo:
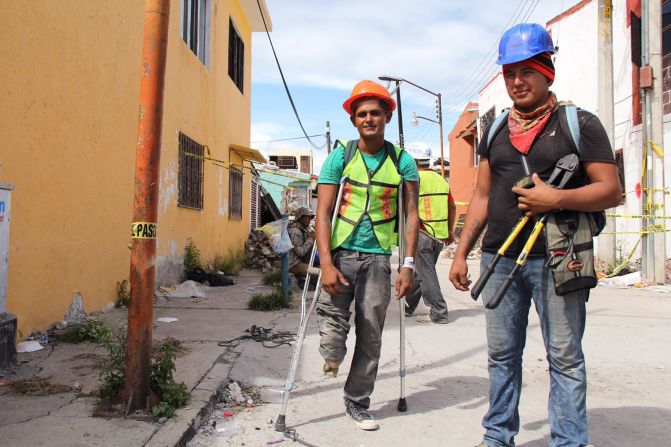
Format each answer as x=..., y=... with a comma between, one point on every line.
x=409, y=262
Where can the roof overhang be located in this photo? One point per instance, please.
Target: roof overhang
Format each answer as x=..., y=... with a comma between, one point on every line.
x=247, y=153
x=251, y=10
x=468, y=131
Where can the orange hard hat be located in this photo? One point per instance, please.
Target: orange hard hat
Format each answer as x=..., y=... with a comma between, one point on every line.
x=369, y=89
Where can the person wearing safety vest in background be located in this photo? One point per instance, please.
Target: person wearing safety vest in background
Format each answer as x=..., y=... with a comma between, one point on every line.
x=533, y=131
x=355, y=253
x=436, y=215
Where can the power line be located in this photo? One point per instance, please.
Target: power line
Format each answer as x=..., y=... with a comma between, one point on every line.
x=487, y=70
x=288, y=139
x=286, y=87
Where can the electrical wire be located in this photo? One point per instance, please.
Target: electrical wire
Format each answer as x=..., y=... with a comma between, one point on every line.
x=286, y=87
x=266, y=337
x=477, y=85
x=288, y=139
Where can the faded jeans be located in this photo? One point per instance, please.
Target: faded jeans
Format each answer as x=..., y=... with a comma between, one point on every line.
x=562, y=322
x=369, y=277
x=426, y=283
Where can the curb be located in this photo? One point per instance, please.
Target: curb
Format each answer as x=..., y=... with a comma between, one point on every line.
x=178, y=430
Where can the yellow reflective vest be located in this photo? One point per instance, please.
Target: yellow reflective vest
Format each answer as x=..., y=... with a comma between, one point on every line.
x=433, y=212
x=369, y=193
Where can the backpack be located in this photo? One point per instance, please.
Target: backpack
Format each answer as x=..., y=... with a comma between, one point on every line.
x=568, y=121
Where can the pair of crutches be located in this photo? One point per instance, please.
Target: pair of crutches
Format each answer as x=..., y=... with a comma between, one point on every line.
x=280, y=423
x=566, y=166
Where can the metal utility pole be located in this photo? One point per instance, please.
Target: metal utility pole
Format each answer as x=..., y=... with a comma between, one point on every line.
x=136, y=393
x=606, y=241
x=654, y=246
x=401, y=140
x=328, y=137
x=440, y=125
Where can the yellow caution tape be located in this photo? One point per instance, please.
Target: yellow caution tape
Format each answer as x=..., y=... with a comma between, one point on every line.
x=638, y=216
x=461, y=203
x=143, y=230
x=658, y=150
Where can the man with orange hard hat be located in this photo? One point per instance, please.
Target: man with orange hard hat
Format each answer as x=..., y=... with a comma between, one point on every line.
x=355, y=252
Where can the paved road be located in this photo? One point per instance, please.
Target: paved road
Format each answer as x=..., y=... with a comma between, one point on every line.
x=626, y=344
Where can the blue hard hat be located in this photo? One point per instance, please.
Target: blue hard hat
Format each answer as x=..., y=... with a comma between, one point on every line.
x=522, y=42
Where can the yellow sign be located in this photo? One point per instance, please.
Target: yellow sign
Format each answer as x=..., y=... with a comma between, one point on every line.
x=143, y=230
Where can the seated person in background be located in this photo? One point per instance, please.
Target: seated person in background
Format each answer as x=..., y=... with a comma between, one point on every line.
x=302, y=238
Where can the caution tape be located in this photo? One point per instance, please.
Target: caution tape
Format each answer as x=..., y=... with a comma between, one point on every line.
x=143, y=230
x=638, y=216
x=657, y=149
x=627, y=260
x=461, y=203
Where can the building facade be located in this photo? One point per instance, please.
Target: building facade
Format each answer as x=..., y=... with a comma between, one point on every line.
x=71, y=105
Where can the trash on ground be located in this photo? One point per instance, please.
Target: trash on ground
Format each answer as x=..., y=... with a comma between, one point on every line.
x=38, y=386
x=226, y=428
x=29, y=346
x=627, y=280
x=236, y=392
x=271, y=395
x=188, y=289
x=167, y=319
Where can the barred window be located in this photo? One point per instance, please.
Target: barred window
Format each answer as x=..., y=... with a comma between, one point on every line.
x=236, y=56
x=235, y=193
x=190, y=173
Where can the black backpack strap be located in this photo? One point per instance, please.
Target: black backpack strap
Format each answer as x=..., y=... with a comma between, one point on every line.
x=391, y=152
x=350, y=150
x=496, y=127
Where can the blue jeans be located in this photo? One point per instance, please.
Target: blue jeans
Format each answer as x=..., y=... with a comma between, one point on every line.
x=562, y=321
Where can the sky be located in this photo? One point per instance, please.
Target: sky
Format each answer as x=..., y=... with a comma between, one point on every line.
x=326, y=47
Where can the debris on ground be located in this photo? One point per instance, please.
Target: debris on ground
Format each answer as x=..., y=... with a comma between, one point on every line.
x=224, y=420
x=39, y=386
x=188, y=289
x=28, y=346
x=260, y=253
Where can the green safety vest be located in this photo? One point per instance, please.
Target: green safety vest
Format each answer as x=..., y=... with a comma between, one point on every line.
x=369, y=193
x=432, y=206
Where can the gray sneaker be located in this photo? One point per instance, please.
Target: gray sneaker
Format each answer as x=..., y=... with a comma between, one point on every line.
x=360, y=415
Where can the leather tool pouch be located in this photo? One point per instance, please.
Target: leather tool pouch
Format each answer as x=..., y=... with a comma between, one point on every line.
x=570, y=250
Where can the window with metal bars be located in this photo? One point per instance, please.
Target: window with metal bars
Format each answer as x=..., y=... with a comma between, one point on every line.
x=191, y=170
x=235, y=193
x=196, y=28
x=236, y=56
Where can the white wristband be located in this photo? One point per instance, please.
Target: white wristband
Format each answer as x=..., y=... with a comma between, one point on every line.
x=409, y=262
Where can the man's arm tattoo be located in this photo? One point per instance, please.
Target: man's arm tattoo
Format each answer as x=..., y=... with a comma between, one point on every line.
x=472, y=232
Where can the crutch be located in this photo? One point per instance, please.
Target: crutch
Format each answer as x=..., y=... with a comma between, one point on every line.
x=402, y=404
x=280, y=423
x=566, y=166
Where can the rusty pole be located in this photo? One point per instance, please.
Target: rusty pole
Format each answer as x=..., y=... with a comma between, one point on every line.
x=136, y=393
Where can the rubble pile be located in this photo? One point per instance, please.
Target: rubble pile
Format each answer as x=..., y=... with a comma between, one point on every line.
x=260, y=253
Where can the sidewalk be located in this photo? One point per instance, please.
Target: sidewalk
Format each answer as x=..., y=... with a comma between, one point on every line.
x=64, y=419
x=626, y=344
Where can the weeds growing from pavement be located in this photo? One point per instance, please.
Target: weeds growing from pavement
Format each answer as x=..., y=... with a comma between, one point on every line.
x=89, y=331
x=122, y=294
x=171, y=394
x=191, y=257
x=271, y=278
x=232, y=262
x=274, y=300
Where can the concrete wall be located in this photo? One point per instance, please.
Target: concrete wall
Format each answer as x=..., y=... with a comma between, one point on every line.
x=463, y=172
x=70, y=99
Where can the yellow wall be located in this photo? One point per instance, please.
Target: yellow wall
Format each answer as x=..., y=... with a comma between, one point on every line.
x=70, y=92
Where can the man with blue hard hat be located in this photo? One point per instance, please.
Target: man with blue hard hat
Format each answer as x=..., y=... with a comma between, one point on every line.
x=531, y=140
